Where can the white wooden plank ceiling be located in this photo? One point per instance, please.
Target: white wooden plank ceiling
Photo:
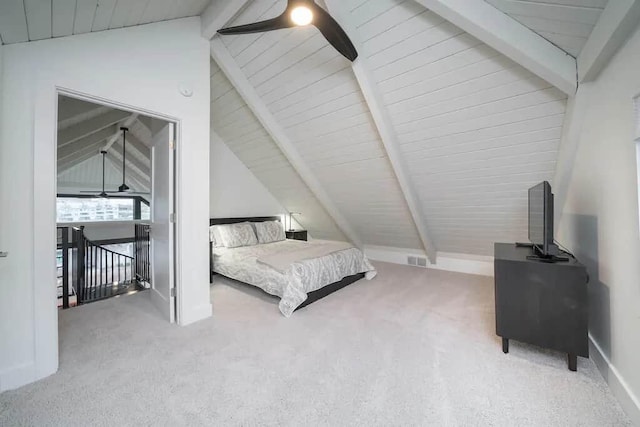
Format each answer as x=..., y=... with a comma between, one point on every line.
x=234, y=122
x=83, y=130
x=29, y=20
x=565, y=23
x=476, y=129
x=87, y=176
x=312, y=92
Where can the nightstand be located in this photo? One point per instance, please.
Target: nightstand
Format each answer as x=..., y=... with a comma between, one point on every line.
x=296, y=234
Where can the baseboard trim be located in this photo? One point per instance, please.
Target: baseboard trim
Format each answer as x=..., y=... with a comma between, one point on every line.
x=448, y=261
x=195, y=314
x=619, y=387
x=17, y=376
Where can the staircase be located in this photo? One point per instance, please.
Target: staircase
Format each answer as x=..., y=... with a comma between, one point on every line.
x=96, y=272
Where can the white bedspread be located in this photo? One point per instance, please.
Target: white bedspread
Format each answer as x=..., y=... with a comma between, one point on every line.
x=300, y=278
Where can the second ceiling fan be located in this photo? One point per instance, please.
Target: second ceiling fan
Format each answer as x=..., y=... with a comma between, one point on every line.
x=124, y=188
x=301, y=13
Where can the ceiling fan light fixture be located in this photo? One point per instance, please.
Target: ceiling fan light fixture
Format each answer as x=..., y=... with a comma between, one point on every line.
x=301, y=15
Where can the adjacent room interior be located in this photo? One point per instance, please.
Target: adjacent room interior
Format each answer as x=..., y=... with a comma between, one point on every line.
x=362, y=212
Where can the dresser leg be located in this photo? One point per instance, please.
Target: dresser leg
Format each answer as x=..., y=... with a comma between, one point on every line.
x=572, y=361
x=505, y=345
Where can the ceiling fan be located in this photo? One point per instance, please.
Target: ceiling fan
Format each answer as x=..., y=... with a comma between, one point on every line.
x=301, y=13
x=103, y=193
x=124, y=188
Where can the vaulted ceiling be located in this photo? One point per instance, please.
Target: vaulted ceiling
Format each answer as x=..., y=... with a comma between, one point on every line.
x=470, y=129
x=565, y=23
x=428, y=141
x=84, y=129
x=29, y=20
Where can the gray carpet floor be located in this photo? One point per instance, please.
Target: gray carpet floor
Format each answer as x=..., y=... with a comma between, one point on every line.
x=411, y=347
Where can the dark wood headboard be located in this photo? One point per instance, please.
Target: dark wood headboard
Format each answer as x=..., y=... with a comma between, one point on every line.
x=218, y=221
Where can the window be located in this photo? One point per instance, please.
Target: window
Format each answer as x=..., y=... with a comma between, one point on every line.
x=145, y=211
x=89, y=209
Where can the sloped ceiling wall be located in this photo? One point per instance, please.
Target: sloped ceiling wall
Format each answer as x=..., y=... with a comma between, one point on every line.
x=240, y=130
x=565, y=23
x=88, y=176
x=313, y=94
x=84, y=129
x=475, y=129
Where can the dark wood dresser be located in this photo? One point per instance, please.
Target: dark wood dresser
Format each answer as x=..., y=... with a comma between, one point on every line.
x=541, y=303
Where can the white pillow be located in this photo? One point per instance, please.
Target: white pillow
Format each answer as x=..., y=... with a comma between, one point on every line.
x=269, y=231
x=234, y=235
x=213, y=233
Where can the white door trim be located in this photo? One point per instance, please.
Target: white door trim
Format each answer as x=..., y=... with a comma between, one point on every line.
x=44, y=210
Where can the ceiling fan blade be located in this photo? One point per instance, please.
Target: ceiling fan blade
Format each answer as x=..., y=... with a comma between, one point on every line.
x=277, y=23
x=127, y=192
x=333, y=32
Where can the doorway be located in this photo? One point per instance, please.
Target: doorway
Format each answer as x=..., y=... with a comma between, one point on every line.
x=115, y=205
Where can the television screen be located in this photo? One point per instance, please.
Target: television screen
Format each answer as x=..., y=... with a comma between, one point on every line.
x=537, y=215
x=541, y=219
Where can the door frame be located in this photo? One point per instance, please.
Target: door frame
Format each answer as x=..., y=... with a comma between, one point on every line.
x=155, y=295
x=44, y=208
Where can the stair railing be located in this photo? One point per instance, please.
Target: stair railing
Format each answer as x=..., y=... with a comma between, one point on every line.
x=141, y=251
x=98, y=272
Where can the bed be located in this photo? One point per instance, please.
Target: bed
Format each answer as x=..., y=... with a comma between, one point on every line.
x=298, y=272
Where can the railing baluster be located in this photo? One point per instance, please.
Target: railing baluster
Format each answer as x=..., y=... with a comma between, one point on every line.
x=102, y=268
x=106, y=278
x=112, y=271
x=87, y=282
x=94, y=271
x=93, y=277
x=65, y=267
x=87, y=286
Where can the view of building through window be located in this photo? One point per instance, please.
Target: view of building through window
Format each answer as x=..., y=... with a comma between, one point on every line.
x=76, y=209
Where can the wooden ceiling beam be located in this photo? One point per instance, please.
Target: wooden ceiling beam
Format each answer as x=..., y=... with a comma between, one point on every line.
x=616, y=23
x=383, y=124
x=131, y=174
x=81, y=144
x=218, y=14
x=93, y=125
x=116, y=135
x=66, y=164
x=131, y=161
x=509, y=37
x=248, y=93
x=139, y=146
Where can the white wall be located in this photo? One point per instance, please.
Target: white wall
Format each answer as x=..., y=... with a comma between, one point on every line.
x=140, y=67
x=596, y=188
x=235, y=191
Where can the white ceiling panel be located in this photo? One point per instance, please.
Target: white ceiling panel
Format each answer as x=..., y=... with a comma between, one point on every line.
x=29, y=20
x=475, y=129
x=13, y=22
x=313, y=94
x=84, y=129
x=565, y=23
x=234, y=122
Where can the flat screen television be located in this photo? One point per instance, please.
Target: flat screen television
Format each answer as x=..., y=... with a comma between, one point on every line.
x=541, y=220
